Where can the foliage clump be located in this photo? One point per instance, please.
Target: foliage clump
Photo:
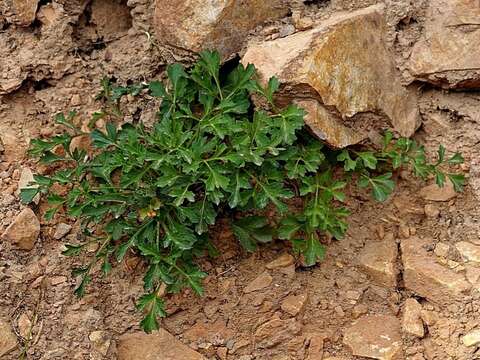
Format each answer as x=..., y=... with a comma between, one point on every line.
x=156, y=191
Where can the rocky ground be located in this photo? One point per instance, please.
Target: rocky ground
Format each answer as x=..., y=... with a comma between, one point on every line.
x=403, y=284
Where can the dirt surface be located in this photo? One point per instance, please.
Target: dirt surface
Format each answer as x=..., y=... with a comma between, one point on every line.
x=56, y=63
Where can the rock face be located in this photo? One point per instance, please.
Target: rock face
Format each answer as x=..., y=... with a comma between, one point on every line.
x=448, y=55
x=24, y=230
x=196, y=25
x=160, y=345
x=8, y=340
x=412, y=323
x=376, y=337
x=327, y=126
x=423, y=275
x=378, y=260
x=260, y=282
x=349, y=71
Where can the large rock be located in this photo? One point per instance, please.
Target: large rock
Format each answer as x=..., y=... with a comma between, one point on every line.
x=24, y=230
x=160, y=345
x=412, y=323
x=378, y=260
x=448, y=54
x=21, y=12
x=8, y=340
x=348, y=70
x=223, y=25
x=376, y=337
x=423, y=275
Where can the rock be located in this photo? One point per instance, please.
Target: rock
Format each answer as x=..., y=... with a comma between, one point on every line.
x=469, y=251
x=260, y=282
x=222, y=353
x=327, y=126
x=431, y=211
x=160, y=345
x=448, y=54
x=282, y=261
x=61, y=230
x=210, y=332
x=8, y=340
x=24, y=230
x=472, y=338
x=359, y=310
x=196, y=25
x=24, y=326
x=57, y=280
x=293, y=305
x=315, y=349
x=378, y=260
x=276, y=331
x=348, y=71
x=423, y=275
x=24, y=11
x=49, y=14
x=375, y=336
x=434, y=192
x=472, y=274
x=100, y=341
x=26, y=177
x=412, y=323
x=76, y=100
x=441, y=249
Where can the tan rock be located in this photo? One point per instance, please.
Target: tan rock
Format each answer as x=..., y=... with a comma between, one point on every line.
x=328, y=126
x=260, y=282
x=469, y=251
x=24, y=326
x=293, y=305
x=276, y=331
x=197, y=25
x=448, y=53
x=160, y=345
x=376, y=337
x=8, y=340
x=49, y=14
x=282, y=261
x=431, y=210
x=24, y=230
x=61, y=230
x=359, y=310
x=412, y=323
x=434, y=192
x=209, y=331
x=472, y=274
x=423, y=275
x=26, y=178
x=441, y=249
x=472, y=338
x=24, y=11
x=315, y=348
x=429, y=317
x=349, y=71
x=101, y=341
x=378, y=260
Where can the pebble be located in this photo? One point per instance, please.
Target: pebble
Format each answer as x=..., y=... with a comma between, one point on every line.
x=260, y=282
x=61, y=230
x=294, y=304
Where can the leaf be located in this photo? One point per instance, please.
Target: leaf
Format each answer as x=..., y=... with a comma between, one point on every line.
x=314, y=251
x=457, y=158
x=154, y=308
x=251, y=230
x=72, y=250
x=28, y=194
x=181, y=236
x=157, y=89
x=382, y=186
x=368, y=159
x=290, y=226
x=458, y=181
x=349, y=164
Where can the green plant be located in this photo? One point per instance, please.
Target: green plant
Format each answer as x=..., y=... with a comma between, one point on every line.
x=156, y=191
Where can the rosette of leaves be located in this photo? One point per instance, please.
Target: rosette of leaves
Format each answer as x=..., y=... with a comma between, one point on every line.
x=156, y=191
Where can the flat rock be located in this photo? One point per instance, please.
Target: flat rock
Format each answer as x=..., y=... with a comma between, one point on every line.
x=471, y=338
x=24, y=230
x=293, y=305
x=8, y=340
x=469, y=251
x=209, y=332
x=223, y=25
x=315, y=348
x=260, y=282
x=276, y=331
x=434, y=192
x=412, y=323
x=160, y=345
x=448, y=54
x=61, y=230
x=378, y=260
x=282, y=261
x=423, y=275
x=376, y=337
x=348, y=71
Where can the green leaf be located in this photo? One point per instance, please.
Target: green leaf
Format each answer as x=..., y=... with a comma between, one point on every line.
x=290, y=226
x=368, y=159
x=27, y=194
x=457, y=158
x=154, y=308
x=251, y=230
x=382, y=186
x=314, y=251
x=349, y=164
x=72, y=250
x=458, y=181
x=157, y=89
x=181, y=236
